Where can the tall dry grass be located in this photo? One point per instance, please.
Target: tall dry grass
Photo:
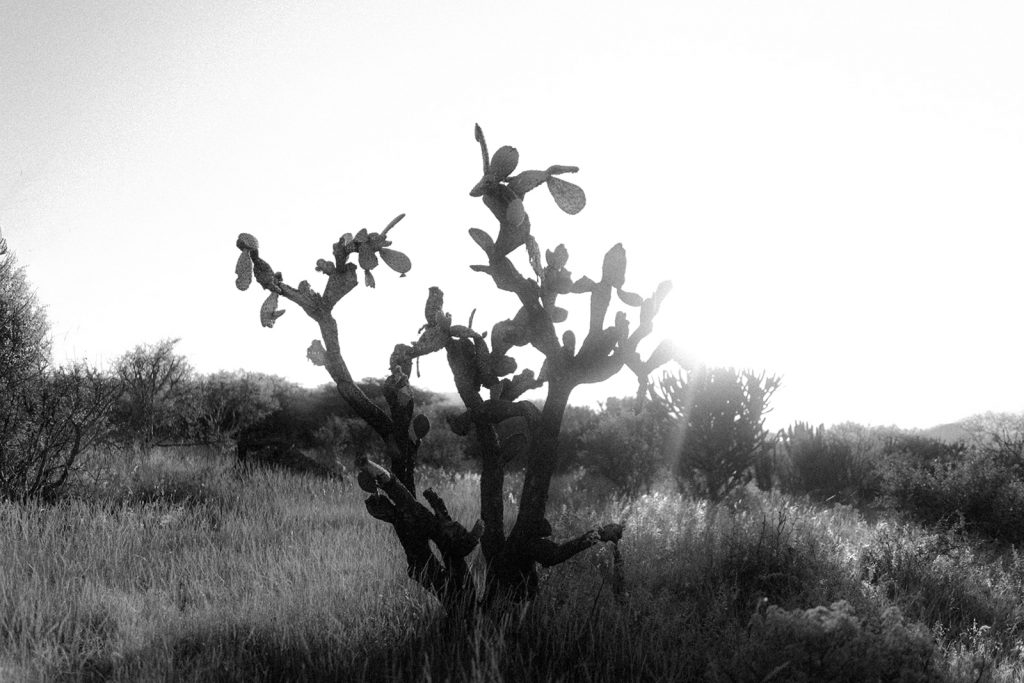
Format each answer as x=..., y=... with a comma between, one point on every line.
x=179, y=567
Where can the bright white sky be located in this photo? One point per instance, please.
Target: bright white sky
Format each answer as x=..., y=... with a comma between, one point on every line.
x=834, y=187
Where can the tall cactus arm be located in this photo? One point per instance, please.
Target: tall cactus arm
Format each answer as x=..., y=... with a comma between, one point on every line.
x=341, y=279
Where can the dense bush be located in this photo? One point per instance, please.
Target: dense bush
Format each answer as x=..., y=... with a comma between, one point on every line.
x=223, y=404
x=833, y=644
x=978, y=489
x=839, y=464
x=626, y=445
x=316, y=427
x=1000, y=436
x=577, y=423
x=720, y=414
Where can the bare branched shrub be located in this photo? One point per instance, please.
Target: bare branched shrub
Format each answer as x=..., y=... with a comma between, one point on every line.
x=155, y=393
x=48, y=418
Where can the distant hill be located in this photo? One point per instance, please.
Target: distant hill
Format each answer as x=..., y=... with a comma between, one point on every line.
x=949, y=433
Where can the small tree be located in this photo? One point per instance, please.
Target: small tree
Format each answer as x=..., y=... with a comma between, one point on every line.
x=155, y=383
x=626, y=445
x=24, y=329
x=720, y=424
x=48, y=418
x=503, y=425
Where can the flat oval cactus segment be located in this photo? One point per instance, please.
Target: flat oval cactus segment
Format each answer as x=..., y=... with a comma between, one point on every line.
x=421, y=426
x=504, y=162
x=243, y=271
x=268, y=311
x=482, y=239
x=557, y=258
x=367, y=259
x=570, y=198
x=396, y=260
x=247, y=241
x=316, y=353
x=613, y=271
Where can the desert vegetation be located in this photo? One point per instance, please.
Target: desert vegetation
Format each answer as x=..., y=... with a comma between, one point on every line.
x=161, y=524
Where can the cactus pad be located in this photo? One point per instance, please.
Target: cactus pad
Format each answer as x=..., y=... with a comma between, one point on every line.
x=269, y=312
x=316, y=353
x=570, y=198
x=396, y=260
x=420, y=426
x=504, y=162
x=243, y=271
x=246, y=241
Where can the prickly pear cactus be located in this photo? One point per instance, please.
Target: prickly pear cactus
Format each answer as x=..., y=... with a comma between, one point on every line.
x=370, y=249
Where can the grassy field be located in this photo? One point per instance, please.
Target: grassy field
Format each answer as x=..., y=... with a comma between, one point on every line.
x=179, y=567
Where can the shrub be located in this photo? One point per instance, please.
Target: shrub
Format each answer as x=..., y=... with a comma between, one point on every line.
x=626, y=445
x=978, y=489
x=937, y=578
x=48, y=418
x=578, y=421
x=828, y=464
x=45, y=428
x=1000, y=436
x=720, y=422
x=833, y=644
x=226, y=403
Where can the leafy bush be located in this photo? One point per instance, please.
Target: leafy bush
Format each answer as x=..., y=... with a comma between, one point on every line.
x=828, y=464
x=979, y=489
x=226, y=403
x=626, y=445
x=833, y=644
x=720, y=414
x=578, y=421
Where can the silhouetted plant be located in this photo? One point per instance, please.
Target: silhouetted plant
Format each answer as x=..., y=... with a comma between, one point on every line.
x=720, y=431
x=828, y=465
x=503, y=425
x=626, y=446
x=980, y=491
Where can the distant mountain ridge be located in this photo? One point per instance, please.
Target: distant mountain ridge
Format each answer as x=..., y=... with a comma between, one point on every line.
x=948, y=433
